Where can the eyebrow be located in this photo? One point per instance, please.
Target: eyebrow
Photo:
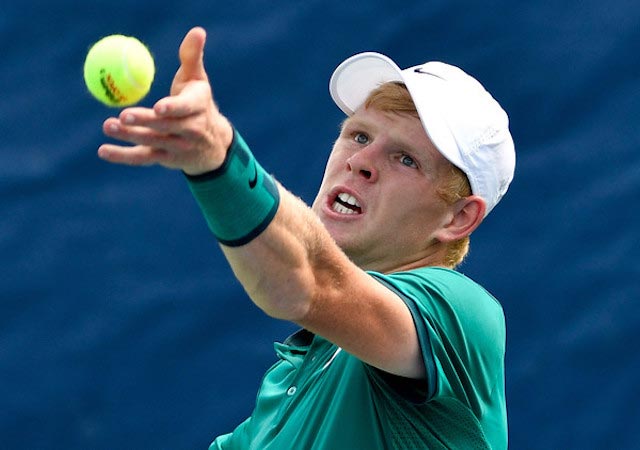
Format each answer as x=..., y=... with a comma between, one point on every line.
x=356, y=123
x=348, y=120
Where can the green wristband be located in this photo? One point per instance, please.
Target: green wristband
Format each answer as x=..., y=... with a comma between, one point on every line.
x=238, y=199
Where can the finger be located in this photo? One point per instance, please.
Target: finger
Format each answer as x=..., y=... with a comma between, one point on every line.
x=128, y=117
x=141, y=117
x=138, y=116
x=118, y=129
x=139, y=155
x=168, y=113
x=191, y=55
x=143, y=135
x=193, y=99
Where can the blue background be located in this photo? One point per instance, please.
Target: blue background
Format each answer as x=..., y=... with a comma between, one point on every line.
x=121, y=325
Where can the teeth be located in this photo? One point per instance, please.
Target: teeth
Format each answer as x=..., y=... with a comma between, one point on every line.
x=346, y=204
x=350, y=199
x=337, y=207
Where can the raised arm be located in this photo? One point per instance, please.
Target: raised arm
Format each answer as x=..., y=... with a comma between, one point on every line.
x=293, y=270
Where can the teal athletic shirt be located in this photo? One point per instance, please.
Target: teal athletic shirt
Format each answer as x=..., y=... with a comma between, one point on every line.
x=318, y=397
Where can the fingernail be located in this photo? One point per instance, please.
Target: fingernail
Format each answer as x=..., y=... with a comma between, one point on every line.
x=162, y=109
x=113, y=127
x=129, y=118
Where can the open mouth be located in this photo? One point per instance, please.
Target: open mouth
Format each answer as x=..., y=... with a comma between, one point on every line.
x=346, y=204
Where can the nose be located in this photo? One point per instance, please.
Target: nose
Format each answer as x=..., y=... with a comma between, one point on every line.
x=362, y=164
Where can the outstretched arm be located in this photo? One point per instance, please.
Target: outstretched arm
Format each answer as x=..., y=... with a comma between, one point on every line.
x=293, y=270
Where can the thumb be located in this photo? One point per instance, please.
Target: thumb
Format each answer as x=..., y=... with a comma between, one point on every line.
x=191, y=59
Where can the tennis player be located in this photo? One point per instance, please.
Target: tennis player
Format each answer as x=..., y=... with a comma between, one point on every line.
x=396, y=349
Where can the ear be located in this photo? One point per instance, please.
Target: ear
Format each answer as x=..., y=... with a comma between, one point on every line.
x=465, y=216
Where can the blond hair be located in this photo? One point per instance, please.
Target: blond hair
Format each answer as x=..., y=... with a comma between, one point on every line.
x=394, y=97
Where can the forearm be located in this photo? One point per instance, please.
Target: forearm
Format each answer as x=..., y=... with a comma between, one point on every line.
x=278, y=249
x=291, y=264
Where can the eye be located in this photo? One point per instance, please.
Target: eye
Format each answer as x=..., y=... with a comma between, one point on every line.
x=408, y=161
x=361, y=138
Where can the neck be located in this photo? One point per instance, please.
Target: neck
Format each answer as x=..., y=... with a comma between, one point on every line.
x=434, y=256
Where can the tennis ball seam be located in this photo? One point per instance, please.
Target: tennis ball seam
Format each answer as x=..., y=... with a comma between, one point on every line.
x=127, y=66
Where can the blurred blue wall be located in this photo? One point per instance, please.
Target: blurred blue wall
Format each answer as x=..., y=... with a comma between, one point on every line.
x=121, y=325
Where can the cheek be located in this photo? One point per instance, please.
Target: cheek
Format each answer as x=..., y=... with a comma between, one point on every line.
x=335, y=162
x=330, y=171
x=418, y=210
x=335, y=166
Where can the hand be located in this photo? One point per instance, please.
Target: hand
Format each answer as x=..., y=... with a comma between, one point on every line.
x=182, y=131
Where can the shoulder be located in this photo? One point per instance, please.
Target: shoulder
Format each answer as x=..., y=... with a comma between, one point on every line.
x=446, y=297
x=436, y=281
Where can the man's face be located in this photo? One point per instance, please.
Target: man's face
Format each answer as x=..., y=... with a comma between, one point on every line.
x=378, y=196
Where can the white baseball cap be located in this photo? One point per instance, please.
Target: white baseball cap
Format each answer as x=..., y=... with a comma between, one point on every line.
x=464, y=122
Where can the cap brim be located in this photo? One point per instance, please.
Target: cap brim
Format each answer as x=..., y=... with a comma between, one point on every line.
x=357, y=76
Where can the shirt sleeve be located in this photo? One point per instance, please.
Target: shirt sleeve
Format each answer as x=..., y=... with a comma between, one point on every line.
x=417, y=391
x=460, y=328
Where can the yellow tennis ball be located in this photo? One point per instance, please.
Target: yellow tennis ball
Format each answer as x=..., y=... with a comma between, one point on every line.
x=119, y=70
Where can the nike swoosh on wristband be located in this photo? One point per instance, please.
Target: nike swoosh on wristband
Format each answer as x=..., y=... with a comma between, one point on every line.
x=253, y=181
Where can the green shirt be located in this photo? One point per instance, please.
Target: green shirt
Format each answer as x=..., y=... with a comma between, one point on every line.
x=320, y=397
